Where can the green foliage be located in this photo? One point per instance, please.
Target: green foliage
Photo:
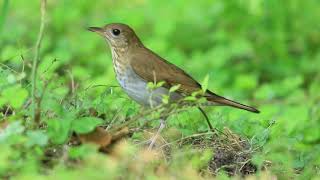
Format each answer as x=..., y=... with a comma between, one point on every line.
x=14, y=96
x=174, y=88
x=86, y=124
x=262, y=53
x=205, y=84
x=60, y=129
x=152, y=86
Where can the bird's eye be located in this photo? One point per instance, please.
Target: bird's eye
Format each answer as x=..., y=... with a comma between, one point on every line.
x=116, y=32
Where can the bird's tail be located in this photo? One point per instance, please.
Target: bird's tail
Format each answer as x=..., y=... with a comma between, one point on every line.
x=224, y=101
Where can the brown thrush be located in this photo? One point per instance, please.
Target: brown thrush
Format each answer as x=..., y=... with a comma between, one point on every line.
x=135, y=66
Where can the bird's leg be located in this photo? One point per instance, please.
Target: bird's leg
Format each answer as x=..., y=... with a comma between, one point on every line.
x=207, y=119
x=212, y=129
x=154, y=138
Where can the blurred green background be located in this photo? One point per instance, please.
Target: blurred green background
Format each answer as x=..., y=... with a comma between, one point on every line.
x=264, y=53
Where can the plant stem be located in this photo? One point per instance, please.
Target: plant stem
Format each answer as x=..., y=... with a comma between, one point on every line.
x=35, y=63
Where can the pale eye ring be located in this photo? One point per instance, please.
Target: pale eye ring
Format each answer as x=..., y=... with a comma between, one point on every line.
x=116, y=32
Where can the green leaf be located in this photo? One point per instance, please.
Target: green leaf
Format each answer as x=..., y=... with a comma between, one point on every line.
x=58, y=130
x=85, y=124
x=81, y=151
x=130, y=112
x=197, y=93
x=201, y=160
x=205, y=84
x=150, y=85
x=174, y=88
x=165, y=99
x=190, y=98
x=37, y=138
x=160, y=84
x=14, y=96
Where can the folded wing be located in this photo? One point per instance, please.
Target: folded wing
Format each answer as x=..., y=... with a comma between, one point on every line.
x=158, y=69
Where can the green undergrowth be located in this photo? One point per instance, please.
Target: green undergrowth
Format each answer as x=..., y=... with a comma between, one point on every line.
x=261, y=53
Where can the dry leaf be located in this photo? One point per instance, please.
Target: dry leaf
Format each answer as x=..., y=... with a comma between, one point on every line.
x=99, y=137
x=3, y=124
x=120, y=134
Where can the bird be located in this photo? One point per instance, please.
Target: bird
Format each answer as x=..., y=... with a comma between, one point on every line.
x=135, y=65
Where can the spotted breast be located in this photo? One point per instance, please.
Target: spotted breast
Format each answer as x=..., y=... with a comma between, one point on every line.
x=135, y=86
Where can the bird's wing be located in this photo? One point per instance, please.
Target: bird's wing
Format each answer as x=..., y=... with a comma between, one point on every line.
x=154, y=68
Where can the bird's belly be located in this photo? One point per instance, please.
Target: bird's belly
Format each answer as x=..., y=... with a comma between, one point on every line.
x=136, y=88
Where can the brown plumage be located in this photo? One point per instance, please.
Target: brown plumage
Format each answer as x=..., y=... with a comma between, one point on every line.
x=172, y=75
x=135, y=65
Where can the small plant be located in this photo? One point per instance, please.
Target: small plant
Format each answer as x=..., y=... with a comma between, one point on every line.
x=62, y=115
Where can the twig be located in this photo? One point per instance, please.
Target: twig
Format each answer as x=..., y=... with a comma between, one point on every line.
x=170, y=109
x=73, y=88
x=133, y=119
x=52, y=62
x=27, y=103
x=36, y=60
x=169, y=113
x=243, y=164
x=114, y=118
x=38, y=110
x=23, y=61
x=188, y=137
x=9, y=68
x=22, y=69
x=100, y=85
x=7, y=111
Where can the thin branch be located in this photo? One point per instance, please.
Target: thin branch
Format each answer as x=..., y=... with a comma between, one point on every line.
x=37, y=58
x=100, y=85
x=9, y=68
x=114, y=118
x=73, y=88
x=7, y=111
x=188, y=137
x=164, y=109
x=52, y=62
x=38, y=109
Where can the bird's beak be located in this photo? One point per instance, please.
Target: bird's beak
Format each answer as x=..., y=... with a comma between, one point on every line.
x=98, y=30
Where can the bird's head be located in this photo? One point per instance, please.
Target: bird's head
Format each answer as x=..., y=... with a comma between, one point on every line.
x=117, y=34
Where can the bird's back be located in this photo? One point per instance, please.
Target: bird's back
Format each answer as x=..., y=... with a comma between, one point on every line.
x=154, y=68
